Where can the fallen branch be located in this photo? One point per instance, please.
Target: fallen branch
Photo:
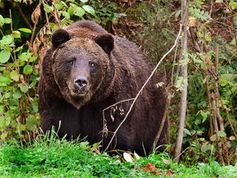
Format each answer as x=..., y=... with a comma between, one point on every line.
x=138, y=94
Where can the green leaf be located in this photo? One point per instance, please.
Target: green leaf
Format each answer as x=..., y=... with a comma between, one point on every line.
x=7, y=40
x=7, y=20
x=33, y=58
x=206, y=147
x=34, y=106
x=19, y=49
x=15, y=76
x=221, y=134
x=16, y=34
x=25, y=30
x=89, y=9
x=31, y=122
x=24, y=56
x=16, y=95
x=48, y=8
x=5, y=55
x=4, y=81
x=78, y=11
x=204, y=115
x=233, y=5
x=60, y=5
x=23, y=87
x=213, y=138
x=4, y=135
x=84, y=1
x=28, y=69
x=66, y=14
x=1, y=21
x=1, y=109
x=186, y=131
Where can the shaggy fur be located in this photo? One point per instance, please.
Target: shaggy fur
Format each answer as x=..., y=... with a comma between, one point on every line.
x=120, y=73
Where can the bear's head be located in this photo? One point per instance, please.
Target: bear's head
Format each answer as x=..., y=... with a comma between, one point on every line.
x=80, y=65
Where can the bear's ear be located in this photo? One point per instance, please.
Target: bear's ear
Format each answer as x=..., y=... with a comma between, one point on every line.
x=106, y=42
x=60, y=36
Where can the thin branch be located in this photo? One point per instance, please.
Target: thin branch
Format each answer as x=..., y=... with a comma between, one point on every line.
x=122, y=101
x=138, y=94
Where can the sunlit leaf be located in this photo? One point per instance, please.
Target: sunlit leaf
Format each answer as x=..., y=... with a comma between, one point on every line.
x=4, y=81
x=16, y=95
x=1, y=21
x=7, y=40
x=5, y=56
x=48, y=8
x=221, y=134
x=7, y=20
x=14, y=75
x=23, y=87
x=24, y=56
x=25, y=30
x=89, y=9
x=28, y=69
x=16, y=34
x=78, y=11
x=233, y=5
x=84, y=1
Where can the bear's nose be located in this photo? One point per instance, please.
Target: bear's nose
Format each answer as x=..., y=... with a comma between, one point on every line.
x=80, y=83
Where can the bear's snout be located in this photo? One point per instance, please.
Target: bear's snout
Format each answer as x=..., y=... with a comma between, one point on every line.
x=80, y=84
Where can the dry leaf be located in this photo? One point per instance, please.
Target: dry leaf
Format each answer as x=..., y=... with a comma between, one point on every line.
x=136, y=156
x=166, y=161
x=169, y=173
x=127, y=157
x=151, y=168
x=36, y=14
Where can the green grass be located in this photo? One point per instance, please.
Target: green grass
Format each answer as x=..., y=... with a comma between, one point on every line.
x=51, y=157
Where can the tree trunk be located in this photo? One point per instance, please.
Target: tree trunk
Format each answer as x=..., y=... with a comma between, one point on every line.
x=184, y=75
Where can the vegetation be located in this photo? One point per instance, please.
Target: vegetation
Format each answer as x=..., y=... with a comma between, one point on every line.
x=51, y=157
x=211, y=122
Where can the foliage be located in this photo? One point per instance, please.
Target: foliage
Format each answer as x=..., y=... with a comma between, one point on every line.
x=18, y=79
x=51, y=157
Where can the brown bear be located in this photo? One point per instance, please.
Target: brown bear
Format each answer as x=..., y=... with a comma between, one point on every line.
x=88, y=69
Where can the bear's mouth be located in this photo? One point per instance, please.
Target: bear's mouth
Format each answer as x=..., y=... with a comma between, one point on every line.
x=78, y=93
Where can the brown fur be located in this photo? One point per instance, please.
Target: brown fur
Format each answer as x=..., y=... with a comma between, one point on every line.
x=121, y=74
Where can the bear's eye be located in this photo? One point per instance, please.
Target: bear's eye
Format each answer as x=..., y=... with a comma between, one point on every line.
x=71, y=61
x=92, y=64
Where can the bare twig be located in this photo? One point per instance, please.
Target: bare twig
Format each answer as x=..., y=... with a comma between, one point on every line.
x=104, y=131
x=14, y=47
x=138, y=94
